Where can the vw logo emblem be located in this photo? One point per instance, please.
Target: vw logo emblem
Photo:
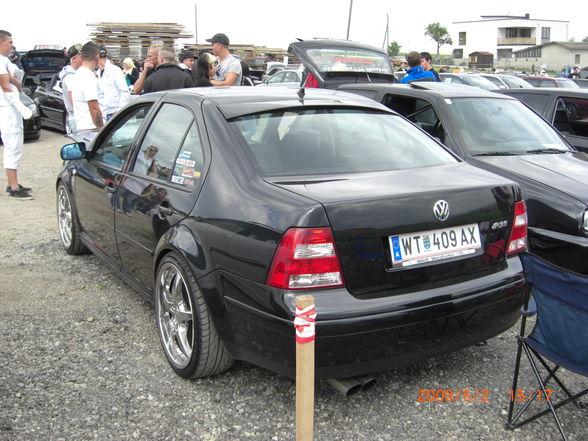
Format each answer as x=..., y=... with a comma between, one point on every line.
x=441, y=210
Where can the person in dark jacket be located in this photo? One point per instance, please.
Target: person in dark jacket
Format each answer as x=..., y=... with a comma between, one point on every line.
x=426, y=64
x=168, y=74
x=204, y=69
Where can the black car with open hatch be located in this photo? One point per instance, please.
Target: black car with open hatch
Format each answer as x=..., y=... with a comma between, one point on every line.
x=222, y=205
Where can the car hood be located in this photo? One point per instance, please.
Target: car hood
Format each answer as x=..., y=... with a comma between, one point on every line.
x=565, y=172
x=43, y=61
x=332, y=79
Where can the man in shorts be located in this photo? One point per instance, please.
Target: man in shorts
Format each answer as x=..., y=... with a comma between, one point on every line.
x=12, y=111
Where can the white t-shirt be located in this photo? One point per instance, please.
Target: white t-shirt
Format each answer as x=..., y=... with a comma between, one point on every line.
x=229, y=64
x=84, y=89
x=66, y=76
x=6, y=67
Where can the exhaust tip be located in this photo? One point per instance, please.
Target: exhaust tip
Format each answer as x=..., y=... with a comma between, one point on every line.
x=366, y=381
x=345, y=386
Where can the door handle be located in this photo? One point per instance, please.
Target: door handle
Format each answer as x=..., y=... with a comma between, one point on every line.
x=164, y=211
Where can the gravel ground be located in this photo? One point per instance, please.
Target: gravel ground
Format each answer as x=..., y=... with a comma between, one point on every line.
x=80, y=359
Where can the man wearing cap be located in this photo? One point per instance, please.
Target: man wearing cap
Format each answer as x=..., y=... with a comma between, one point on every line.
x=66, y=79
x=186, y=61
x=12, y=111
x=85, y=90
x=113, y=91
x=228, y=72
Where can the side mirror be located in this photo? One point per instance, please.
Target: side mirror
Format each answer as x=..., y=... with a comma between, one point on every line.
x=72, y=151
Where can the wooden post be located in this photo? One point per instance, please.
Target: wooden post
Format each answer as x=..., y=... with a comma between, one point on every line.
x=304, y=323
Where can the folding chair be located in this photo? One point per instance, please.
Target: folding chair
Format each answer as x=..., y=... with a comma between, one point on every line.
x=560, y=300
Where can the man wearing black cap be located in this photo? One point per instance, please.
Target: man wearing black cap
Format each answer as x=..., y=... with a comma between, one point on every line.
x=186, y=60
x=229, y=72
x=66, y=79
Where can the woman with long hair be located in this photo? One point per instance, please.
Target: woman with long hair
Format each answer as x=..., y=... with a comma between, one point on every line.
x=130, y=70
x=204, y=69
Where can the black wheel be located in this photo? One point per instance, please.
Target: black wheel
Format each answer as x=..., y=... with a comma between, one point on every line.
x=187, y=333
x=69, y=230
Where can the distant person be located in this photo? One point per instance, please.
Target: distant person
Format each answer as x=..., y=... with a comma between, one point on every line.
x=12, y=112
x=402, y=67
x=114, y=92
x=168, y=74
x=130, y=71
x=204, y=70
x=14, y=58
x=426, y=64
x=415, y=71
x=87, y=112
x=186, y=60
x=66, y=78
x=149, y=67
x=575, y=73
x=229, y=71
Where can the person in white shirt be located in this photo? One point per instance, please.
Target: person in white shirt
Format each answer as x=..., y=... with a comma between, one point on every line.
x=85, y=90
x=66, y=78
x=229, y=71
x=12, y=111
x=113, y=92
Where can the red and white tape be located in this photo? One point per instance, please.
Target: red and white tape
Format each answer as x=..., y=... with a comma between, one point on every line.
x=304, y=324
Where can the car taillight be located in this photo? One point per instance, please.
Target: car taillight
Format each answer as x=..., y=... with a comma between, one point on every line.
x=518, y=236
x=306, y=258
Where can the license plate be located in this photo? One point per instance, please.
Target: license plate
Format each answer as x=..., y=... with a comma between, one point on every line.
x=435, y=245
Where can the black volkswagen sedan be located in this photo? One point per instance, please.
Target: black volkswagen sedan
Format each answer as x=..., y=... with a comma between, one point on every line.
x=222, y=205
x=502, y=135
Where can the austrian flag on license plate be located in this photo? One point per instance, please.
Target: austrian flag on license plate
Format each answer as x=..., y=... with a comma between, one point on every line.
x=434, y=245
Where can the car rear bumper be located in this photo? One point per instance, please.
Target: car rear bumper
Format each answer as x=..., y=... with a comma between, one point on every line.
x=356, y=336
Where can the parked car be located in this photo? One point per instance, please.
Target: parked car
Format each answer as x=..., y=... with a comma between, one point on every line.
x=222, y=205
x=40, y=65
x=566, y=109
x=52, y=108
x=285, y=77
x=31, y=126
x=468, y=80
x=504, y=136
x=583, y=83
x=504, y=81
x=539, y=81
x=335, y=62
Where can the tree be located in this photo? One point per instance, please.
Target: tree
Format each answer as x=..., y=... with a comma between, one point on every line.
x=439, y=34
x=585, y=39
x=394, y=49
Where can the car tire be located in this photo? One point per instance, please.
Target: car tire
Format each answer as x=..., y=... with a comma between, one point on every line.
x=186, y=330
x=69, y=230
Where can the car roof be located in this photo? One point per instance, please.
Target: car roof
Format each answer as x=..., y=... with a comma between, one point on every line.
x=580, y=93
x=443, y=90
x=238, y=101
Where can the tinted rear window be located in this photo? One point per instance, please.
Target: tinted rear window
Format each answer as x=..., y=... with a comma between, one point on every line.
x=335, y=140
x=350, y=60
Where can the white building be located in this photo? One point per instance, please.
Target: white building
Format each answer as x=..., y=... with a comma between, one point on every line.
x=502, y=35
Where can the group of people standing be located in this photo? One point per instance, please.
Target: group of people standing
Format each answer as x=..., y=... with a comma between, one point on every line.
x=419, y=68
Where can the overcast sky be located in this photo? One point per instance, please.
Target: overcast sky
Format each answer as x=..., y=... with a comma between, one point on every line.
x=273, y=24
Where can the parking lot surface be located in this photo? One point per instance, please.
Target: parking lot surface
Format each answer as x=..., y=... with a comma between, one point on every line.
x=80, y=359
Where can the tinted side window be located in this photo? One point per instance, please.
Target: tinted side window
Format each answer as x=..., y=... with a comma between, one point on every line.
x=537, y=102
x=115, y=148
x=162, y=142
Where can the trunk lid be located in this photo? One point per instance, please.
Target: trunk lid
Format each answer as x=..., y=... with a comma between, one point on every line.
x=365, y=210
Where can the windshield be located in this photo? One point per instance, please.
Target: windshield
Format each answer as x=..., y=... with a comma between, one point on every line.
x=515, y=82
x=498, y=126
x=329, y=140
x=350, y=60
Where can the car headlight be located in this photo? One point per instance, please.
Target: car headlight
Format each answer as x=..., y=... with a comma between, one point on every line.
x=585, y=222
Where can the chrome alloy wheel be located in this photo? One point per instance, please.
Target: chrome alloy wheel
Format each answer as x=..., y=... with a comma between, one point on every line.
x=64, y=216
x=175, y=315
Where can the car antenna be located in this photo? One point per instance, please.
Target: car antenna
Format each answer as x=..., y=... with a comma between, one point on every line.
x=301, y=93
